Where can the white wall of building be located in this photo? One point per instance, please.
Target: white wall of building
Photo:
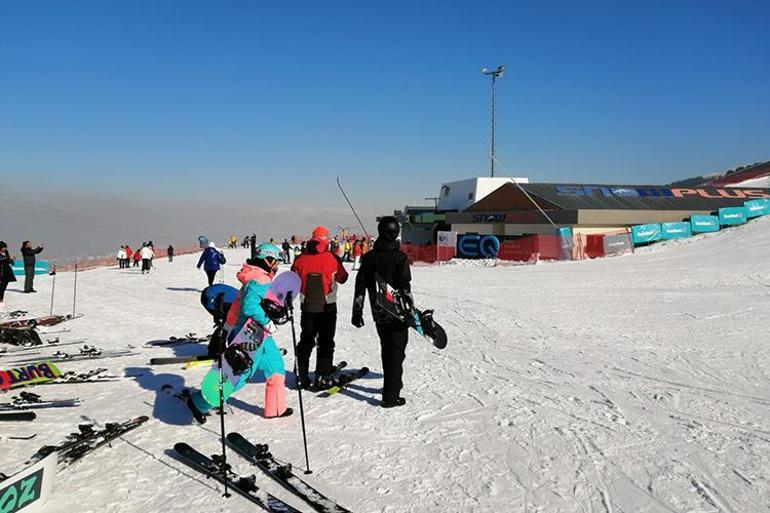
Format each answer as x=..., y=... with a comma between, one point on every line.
x=462, y=194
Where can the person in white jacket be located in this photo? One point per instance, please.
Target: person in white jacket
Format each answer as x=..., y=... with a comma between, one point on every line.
x=122, y=256
x=147, y=256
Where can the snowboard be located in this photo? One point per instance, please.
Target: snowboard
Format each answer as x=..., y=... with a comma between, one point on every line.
x=259, y=456
x=245, y=486
x=393, y=303
x=28, y=375
x=343, y=381
x=251, y=335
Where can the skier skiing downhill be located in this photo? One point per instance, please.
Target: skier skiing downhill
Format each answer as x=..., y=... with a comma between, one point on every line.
x=391, y=264
x=320, y=272
x=256, y=277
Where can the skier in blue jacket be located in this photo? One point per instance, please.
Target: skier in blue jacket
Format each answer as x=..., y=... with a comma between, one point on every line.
x=211, y=259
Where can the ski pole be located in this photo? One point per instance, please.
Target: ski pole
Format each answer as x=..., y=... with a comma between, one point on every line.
x=223, y=467
x=290, y=307
x=75, y=289
x=351, y=208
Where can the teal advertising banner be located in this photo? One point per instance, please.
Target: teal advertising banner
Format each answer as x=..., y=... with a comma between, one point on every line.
x=41, y=267
x=703, y=223
x=756, y=208
x=643, y=233
x=732, y=215
x=675, y=230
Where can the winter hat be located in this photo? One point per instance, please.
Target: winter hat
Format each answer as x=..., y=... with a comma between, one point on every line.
x=266, y=250
x=320, y=232
x=3, y=244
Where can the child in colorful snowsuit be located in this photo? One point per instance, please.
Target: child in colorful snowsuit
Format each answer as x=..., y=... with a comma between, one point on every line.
x=256, y=277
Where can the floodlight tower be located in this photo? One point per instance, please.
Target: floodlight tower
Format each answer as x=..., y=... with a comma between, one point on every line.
x=495, y=74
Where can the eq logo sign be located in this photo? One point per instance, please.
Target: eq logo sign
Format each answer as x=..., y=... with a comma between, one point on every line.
x=478, y=246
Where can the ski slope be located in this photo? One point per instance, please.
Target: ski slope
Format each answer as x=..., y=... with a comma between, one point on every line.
x=630, y=384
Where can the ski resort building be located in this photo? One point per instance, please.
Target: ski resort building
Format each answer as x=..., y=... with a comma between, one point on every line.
x=525, y=209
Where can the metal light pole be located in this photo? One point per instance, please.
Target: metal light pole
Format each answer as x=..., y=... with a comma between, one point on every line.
x=495, y=74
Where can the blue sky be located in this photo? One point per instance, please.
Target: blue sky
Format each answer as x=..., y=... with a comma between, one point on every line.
x=266, y=102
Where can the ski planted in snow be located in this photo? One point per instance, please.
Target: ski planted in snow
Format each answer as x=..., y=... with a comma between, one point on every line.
x=259, y=456
x=245, y=486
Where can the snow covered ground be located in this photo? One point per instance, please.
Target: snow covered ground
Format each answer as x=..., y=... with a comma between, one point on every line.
x=631, y=384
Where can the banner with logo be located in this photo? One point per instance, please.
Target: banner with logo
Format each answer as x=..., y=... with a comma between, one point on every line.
x=566, y=243
x=27, y=491
x=41, y=267
x=618, y=244
x=756, y=208
x=704, y=223
x=670, y=231
x=732, y=215
x=643, y=233
x=446, y=245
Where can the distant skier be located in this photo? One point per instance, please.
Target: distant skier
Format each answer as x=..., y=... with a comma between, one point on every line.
x=211, y=259
x=170, y=253
x=29, y=265
x=286, y=247
x=256, y=276
x=122, y=257
x=391, y=264
x=138, y=255
x=6, y=272
x=146, y=254
x=320, y=272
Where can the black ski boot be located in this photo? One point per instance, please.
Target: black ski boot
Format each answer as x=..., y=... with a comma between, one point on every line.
x=392, y=404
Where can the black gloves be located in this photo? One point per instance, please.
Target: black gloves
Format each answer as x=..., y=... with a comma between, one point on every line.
x=358, y=319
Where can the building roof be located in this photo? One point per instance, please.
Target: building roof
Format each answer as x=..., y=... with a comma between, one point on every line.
x=551, y=196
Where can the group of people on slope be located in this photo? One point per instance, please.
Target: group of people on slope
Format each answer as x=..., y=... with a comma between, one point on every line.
x=320, y=271
x=28, y=253
x=144, y=255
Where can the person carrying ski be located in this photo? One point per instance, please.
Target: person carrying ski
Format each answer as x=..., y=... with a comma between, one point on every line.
x=211, y=259
x=392, y=265
x=6, y=271
x=320, y=272
x=256, y=277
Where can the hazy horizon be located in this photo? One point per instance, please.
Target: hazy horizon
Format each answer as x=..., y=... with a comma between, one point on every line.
x=127, y=121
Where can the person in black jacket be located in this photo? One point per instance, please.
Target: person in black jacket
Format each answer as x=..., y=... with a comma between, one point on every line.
x=392, y=265
x=6, y=273
x=170, y=253
x=28, y=252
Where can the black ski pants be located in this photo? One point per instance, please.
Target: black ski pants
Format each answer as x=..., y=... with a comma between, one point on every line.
x=317, y=329
x=29, y=278
x=393, y=339
x=145, y=265
x=211, y=275
x=3, y=286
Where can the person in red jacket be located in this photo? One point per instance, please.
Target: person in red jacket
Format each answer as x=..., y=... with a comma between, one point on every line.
x=320, y=272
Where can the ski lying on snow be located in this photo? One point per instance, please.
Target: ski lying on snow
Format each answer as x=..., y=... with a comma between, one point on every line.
x=179, y=359
x=66, y=357
x=259, y=456
x=17, y=415
x=245, y=486
x=86, y=440
x=29, y=400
